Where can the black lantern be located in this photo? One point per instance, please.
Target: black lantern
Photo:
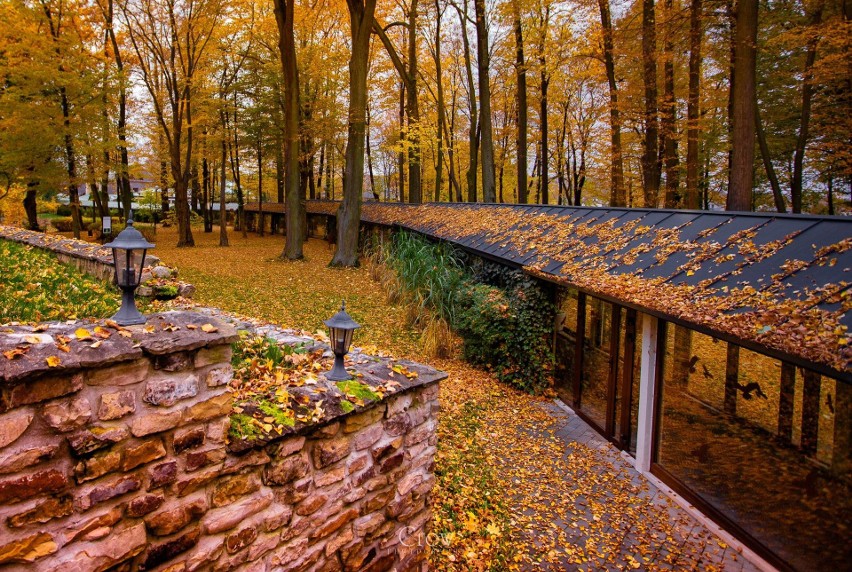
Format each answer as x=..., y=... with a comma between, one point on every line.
x=128, y=253
x=340, y=328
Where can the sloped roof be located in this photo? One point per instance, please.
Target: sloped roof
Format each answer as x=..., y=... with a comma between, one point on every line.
x=779, y=281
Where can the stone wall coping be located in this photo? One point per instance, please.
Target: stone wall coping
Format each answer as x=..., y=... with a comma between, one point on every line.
x=39, y=346
x=69, y=246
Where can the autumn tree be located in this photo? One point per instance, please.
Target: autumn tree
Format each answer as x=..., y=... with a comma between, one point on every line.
x=361, y=17
x=171, y=38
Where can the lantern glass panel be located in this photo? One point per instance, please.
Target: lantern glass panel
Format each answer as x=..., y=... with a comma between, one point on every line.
x=128, y=266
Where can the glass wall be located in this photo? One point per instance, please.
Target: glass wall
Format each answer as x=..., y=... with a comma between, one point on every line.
x=601, y=381
x=762, y=443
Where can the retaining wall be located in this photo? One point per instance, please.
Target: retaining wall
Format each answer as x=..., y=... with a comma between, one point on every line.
x=116, y=456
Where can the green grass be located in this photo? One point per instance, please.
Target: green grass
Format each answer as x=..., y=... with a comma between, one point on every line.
x=35, y=287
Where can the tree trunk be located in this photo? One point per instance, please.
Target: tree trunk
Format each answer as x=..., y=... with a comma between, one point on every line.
x=196, y=186
x=693, y=106
x=673, y=199
x=804, y=124
x=415, y=192
x=402, y=136
x=483, y=58
x=223, y=217
x=284, y=15
x=521, y=97
x=442, y=116
x=30, y=206
x=617, y=196
x=742, y=112
x=361, y=13
x=777, y=195
x=650, y=149
x=473, y=112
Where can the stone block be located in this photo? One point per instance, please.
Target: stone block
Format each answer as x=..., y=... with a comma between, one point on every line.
x=141, y=453
x=28, y=549
x=96, y=437
x=23, y=487
x=379, y=501
x=162, y=474
x=225, y=518
x=295, y=492
x=264, y=545
x=239, y=540
x=288, y=447
x=337, y=541
x=210, y=409
x=397, y=425
x=13, y=425
x=196, y=481
x=251, y=458
x=419, y=434
x=116, y=405
x=177, y=361
x=354, y=495
x=419, y=414
x=219, y=376
x=386, y=449
x=408, y=482
x=330, y=477
x=335, y=523
x=213, y=356
x=368, y=524
x=171, y=520
x=19, y=459
x=145, y=504
x=399, y=404
x=44, y=511
x=188, y=439
x=198, y=459
x=311, y=504
x=284, y=471
x=364, y=419
x=143, y=425
x=82, y=528
x=358, y=463
x=328, y=452
x=218, y=429
x=165, y=391
x=276, y=516
x=230, y=489
x=209, y=549
x=326, y=431
x=118, y=375
x=367, y=437
x=43, y=389
x=104, y=554
x=392, y=462
x=108, y=491
x=160, y=553
x=97, y=466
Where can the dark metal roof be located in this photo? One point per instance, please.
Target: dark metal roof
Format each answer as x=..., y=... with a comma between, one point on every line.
x=780, y=281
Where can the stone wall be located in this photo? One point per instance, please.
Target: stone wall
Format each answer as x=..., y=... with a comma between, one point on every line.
x=116, y=456
x=95, y=260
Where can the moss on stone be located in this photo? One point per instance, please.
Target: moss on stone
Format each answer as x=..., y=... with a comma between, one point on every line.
x=242, y=427
x=346, y=406
x=281, y=416
x=357, y=389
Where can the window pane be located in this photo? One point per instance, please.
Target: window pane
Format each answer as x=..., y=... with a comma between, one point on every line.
x=793, y=496
x=595, y=374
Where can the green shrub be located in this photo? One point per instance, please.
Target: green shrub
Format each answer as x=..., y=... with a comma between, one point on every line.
x=63, y=210
x=503, y=316
x=508, y=329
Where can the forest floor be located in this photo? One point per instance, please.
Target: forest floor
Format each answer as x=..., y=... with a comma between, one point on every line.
x=522, y=484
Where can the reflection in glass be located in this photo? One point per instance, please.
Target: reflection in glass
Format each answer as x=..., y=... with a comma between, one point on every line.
x=762, y=444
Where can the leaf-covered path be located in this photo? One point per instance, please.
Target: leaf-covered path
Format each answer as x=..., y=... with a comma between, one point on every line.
x=522, y=484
